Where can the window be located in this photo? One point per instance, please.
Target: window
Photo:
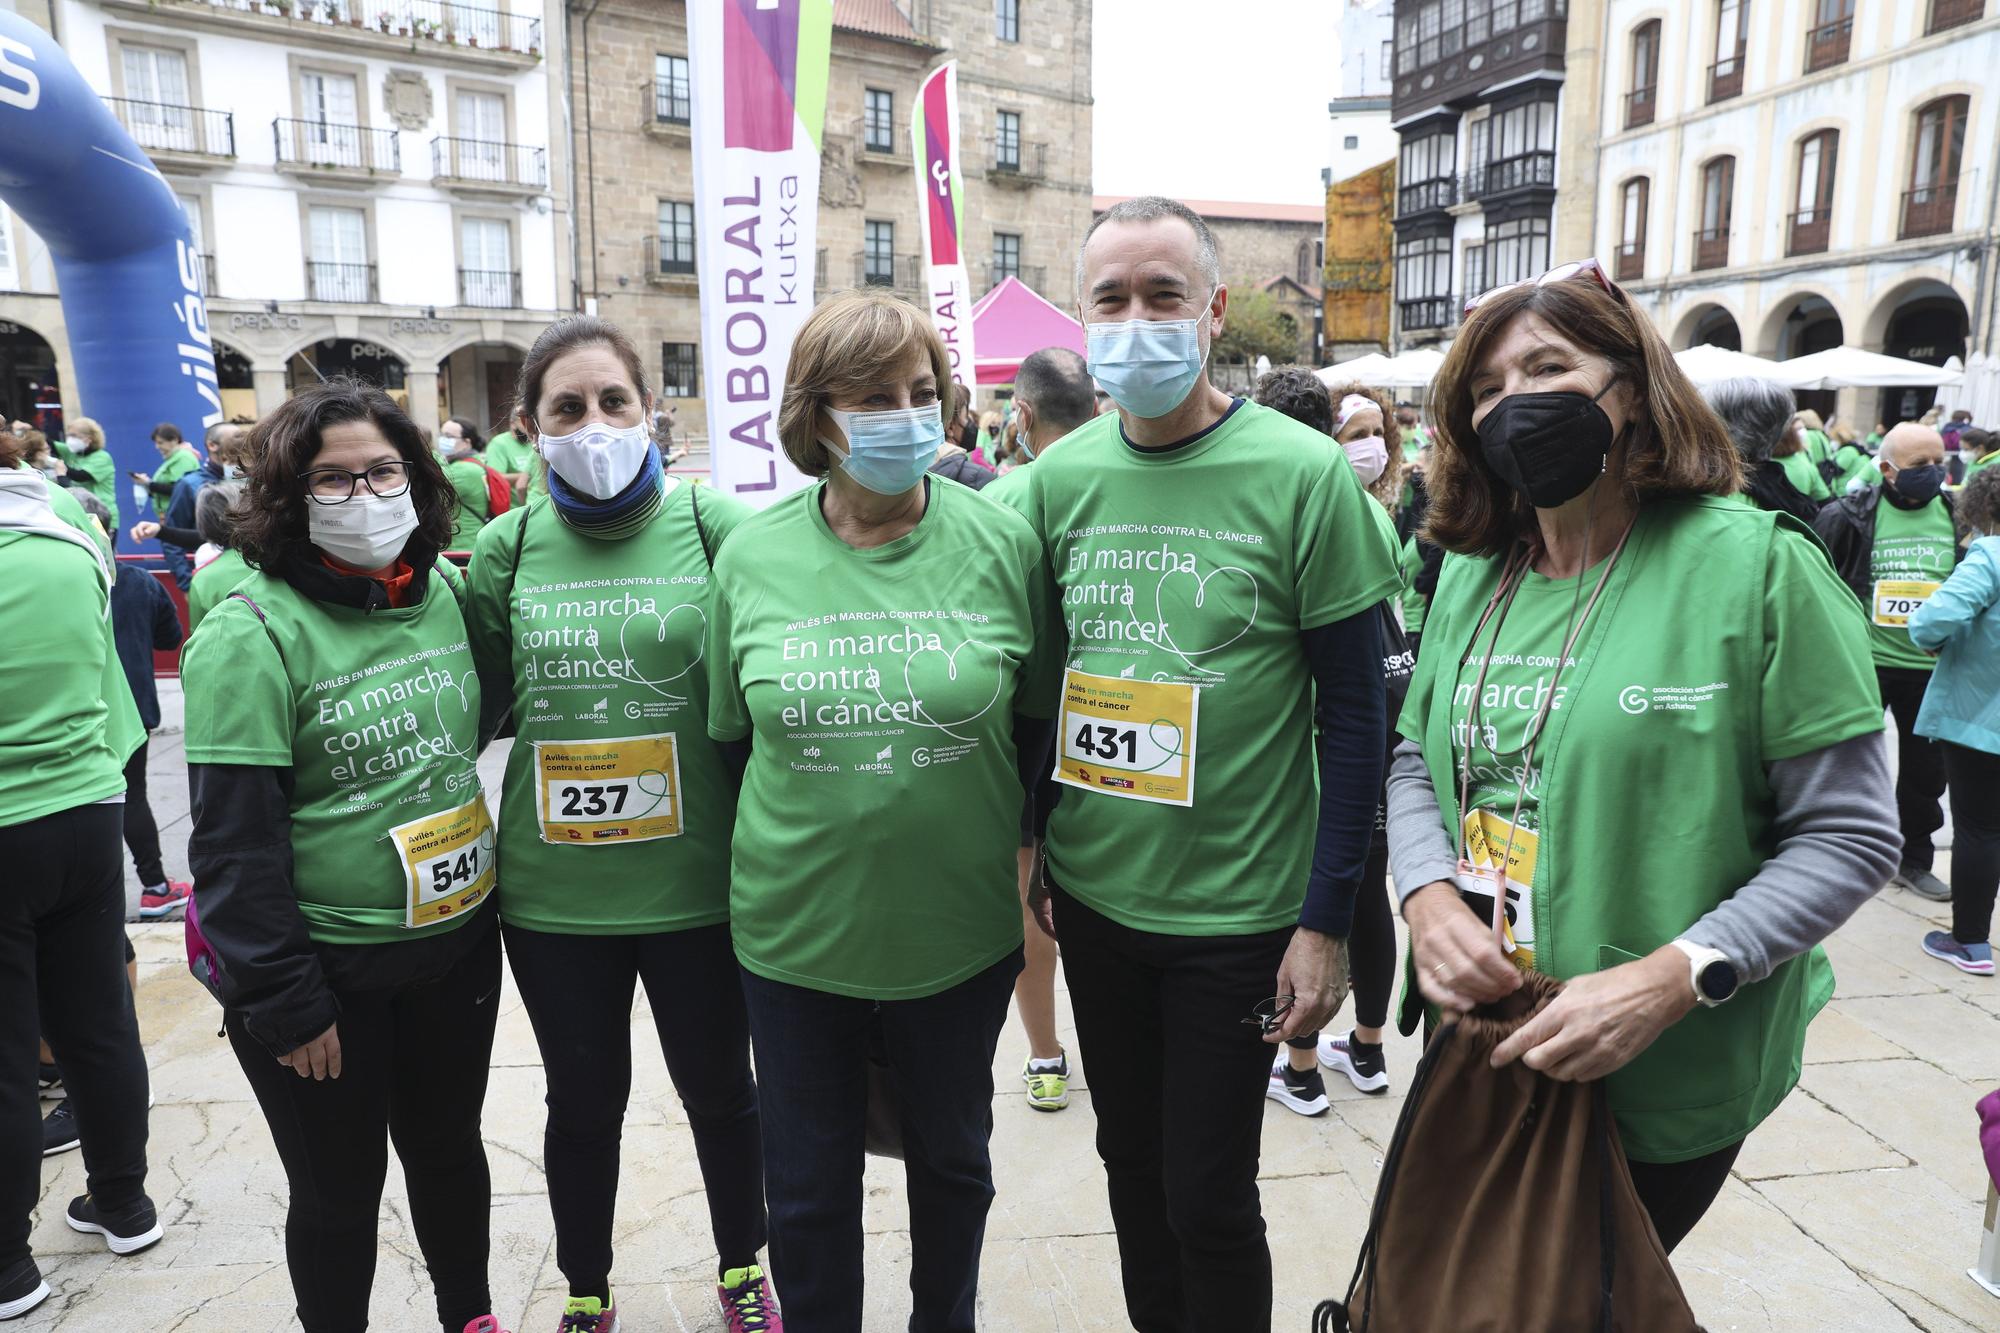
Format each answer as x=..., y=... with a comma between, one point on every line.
x=1932, y=199
x=1007, y=140
x=676, y=237
x=485, y=251
x=673, y=98
x=1517, y=250
x=337, y=257
x=1732, y=39
x=1718, y=187
x=1832, y=29
x=878, y=120
x=680, y=371
x=1951, y=13
x=1406, y=40
x=482, y=136
x=1423, y=282
x=1812, y=210
x=1632, y=202
x=1350, y=142
x=191, y=210
x=1426, y=172
x=1475, y=269
x=1007, y=20
x=331, y=119
x=878, y=254
x=156, y=86
x=1388, y=57
x=1006, y=256
x=1523, y=149
x=1639, y=100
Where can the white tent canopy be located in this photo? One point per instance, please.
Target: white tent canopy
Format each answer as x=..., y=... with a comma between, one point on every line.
x=1708, y=364
x=1851, y=367
x=1411, y=370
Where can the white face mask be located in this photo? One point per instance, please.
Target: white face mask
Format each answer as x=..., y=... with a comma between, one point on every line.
x=366, y=532
x=599, y=459
x=1370, y=456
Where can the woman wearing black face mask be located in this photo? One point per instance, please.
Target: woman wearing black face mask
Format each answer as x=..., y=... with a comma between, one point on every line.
x=1605, y=718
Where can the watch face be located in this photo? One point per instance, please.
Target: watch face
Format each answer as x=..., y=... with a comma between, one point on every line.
x=1718, y=980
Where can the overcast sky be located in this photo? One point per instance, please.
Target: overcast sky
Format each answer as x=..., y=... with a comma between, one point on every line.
x=1214, y=99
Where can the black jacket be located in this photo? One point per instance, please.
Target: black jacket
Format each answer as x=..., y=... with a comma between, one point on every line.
x=143, y=621
x=958, y=465
x=1847, y=525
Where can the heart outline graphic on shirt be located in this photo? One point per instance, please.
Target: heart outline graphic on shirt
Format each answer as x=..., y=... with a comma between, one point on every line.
x=662, y=621
x=457, y=686
x=951, y=673
x=1201, y=591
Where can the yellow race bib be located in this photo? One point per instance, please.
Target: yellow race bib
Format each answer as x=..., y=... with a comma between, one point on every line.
x=1129, y=738
x=1486, y=843
x=448, y=858
x=597, y=793
x=1896, y=600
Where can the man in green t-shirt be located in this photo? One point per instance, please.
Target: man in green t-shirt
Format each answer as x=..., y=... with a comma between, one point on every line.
x=178, y=458
x=1894, y=545
x=513, y=458
x=1218, y=572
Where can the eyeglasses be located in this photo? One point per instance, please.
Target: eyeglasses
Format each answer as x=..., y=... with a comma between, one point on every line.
x=1576, y=268
x=1269, y=1015
x=335, y=485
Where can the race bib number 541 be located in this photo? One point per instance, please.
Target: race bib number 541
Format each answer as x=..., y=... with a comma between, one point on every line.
x=597, y=793
x=1129, y=738
x=448, y=858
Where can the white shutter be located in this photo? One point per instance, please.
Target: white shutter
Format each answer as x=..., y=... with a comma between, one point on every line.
x=156, y=87
x=329, y=104
x=482, y=133
x=339, y=258
x=485, y=246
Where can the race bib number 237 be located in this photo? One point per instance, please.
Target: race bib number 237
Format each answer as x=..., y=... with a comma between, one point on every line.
x=1129, y=738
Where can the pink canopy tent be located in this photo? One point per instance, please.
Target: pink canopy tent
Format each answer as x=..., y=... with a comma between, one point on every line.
x=1011, y=323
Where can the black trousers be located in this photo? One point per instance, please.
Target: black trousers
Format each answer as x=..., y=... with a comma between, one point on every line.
x=62, y=976
x=1974, y=776
x=1677, y=1194
x=1177, y=1079
x=578, y=992
x=1371, y=948
x=414, y=1064
x=142, y=834
x=1919, y=765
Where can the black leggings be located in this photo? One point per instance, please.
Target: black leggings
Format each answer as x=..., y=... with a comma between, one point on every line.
x=578, y=993
x=62, y=921
x=1676, y=1194
x=1974, y=776
x=142, y=834
x=413, y=1069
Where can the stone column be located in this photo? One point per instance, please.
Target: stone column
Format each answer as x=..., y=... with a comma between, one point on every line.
x=423, y=388
x=268, y=382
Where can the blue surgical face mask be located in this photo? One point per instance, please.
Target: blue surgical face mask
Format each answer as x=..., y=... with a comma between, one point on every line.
x=1027, y=450
x=1149, y=366
x=889, y=452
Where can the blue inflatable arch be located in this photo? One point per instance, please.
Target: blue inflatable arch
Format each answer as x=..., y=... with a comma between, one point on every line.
x=129, y=276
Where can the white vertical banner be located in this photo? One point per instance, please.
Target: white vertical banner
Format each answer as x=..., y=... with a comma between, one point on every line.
x=759, y=70
x=941, y=215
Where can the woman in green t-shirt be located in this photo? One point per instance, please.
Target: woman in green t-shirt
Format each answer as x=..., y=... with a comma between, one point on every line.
x=458, y=447
x=590, y=613
x=881, y=649
x=1610, y=693
x=342, y=848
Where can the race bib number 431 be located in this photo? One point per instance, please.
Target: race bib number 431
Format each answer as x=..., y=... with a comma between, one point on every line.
x=604, y=792
x=448, y=858
x=1129, y=738
x=1896, y=600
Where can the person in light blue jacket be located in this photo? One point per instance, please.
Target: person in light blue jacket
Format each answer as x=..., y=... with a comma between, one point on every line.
x=1960, y=622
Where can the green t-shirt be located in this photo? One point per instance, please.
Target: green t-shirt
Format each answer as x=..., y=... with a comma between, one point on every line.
x=1185, y=578
x=508, y=453
x=469, y=515
x=1913, y=547
x=880, y=817
x=1414, y=602
x=172, y=468
x=602, y=648
x=1854, y=463
x=1985, y=461
x=1008, y=486
x=96, y=470
x=377, y=716
x=1803, y=473
x=213, y=582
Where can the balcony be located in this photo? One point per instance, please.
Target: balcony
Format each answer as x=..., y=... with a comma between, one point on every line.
x=1640, y=106
x=881, y=141
x=1725, y=79
x=1808, y=231
x=491, y=289
x=1711, y=248
x=1630, y=262
x=902, y=274
x=673, y=103
x=478, y=33
x=1025, y=163
x=1952, y=14
x=1529, y=171
x=351, y=284
x=1928, y=210
x=1426, y=196
x=676, y=268
x=1429, y=312
x=1826, y=45
x=181, y=136
x=482, y=166
x=1498, y=43
x=330, y=151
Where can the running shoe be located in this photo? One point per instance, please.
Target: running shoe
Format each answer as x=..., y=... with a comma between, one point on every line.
x=1300, y=1090
x=747, y=1304
x=486, y=1323
x=1923, y=883
x=1048, y=1082
x=587, y=1314
x=129, y=1231
x=163, y=898
x=51, y=1083
x=1972, y=959
x=21, y=1289
x=59, y=1130
x=1363, y=1064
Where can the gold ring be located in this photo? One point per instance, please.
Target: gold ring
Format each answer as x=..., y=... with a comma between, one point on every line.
x=1439, y=970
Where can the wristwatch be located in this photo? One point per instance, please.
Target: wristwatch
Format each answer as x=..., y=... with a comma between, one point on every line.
x=1714, y=977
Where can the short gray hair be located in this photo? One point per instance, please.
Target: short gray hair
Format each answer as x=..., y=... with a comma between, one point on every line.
x=213, y=506
x=1157, y=208
x=1757, y=413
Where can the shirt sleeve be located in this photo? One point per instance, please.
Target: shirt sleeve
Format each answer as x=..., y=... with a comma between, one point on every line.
x=728, y=713
x=489, y=590
x=239, y=700
x=1972, y=588
x=1818, y=686
x=1345, y=559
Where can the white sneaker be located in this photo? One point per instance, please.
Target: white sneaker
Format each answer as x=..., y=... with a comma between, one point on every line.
x=1369, y=1073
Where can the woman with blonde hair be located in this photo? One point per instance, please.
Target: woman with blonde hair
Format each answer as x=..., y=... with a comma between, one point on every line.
x=88, y=464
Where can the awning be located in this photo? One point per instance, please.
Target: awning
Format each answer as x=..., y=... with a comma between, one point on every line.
x=1013, y=322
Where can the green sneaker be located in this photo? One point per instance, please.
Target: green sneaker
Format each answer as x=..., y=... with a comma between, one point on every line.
x=1048, y=1084
x=587, y=1314
x=747, y=1303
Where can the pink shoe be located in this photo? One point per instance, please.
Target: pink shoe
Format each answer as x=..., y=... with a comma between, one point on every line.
x=747, y=1302
x=486, y=1323
x=157, y=902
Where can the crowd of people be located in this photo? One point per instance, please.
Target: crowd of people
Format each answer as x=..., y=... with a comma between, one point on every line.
x=838, y=780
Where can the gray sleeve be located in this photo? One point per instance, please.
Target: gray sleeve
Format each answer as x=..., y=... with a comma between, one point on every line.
x=1838, y=842
x=1420, y=848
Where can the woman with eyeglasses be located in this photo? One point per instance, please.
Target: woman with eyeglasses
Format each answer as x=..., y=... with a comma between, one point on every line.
x=1606, y=717
x=591, y=613
x=342, y=849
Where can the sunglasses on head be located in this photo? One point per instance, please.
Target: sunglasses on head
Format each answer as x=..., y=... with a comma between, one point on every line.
x=1576, y=268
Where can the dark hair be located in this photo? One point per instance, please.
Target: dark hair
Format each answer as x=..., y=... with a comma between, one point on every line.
x=1979, y=503
x=167, y=430
x=11, y=447
x=271, y=520
x=213, y=518
x=1674, y=444
x=559, y=339
x=1056, y=383
x=472, y=435
x=1299, y=394
x=1978, y=437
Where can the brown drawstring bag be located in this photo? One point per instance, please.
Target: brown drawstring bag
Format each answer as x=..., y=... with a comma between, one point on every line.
x=1505, y=1204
